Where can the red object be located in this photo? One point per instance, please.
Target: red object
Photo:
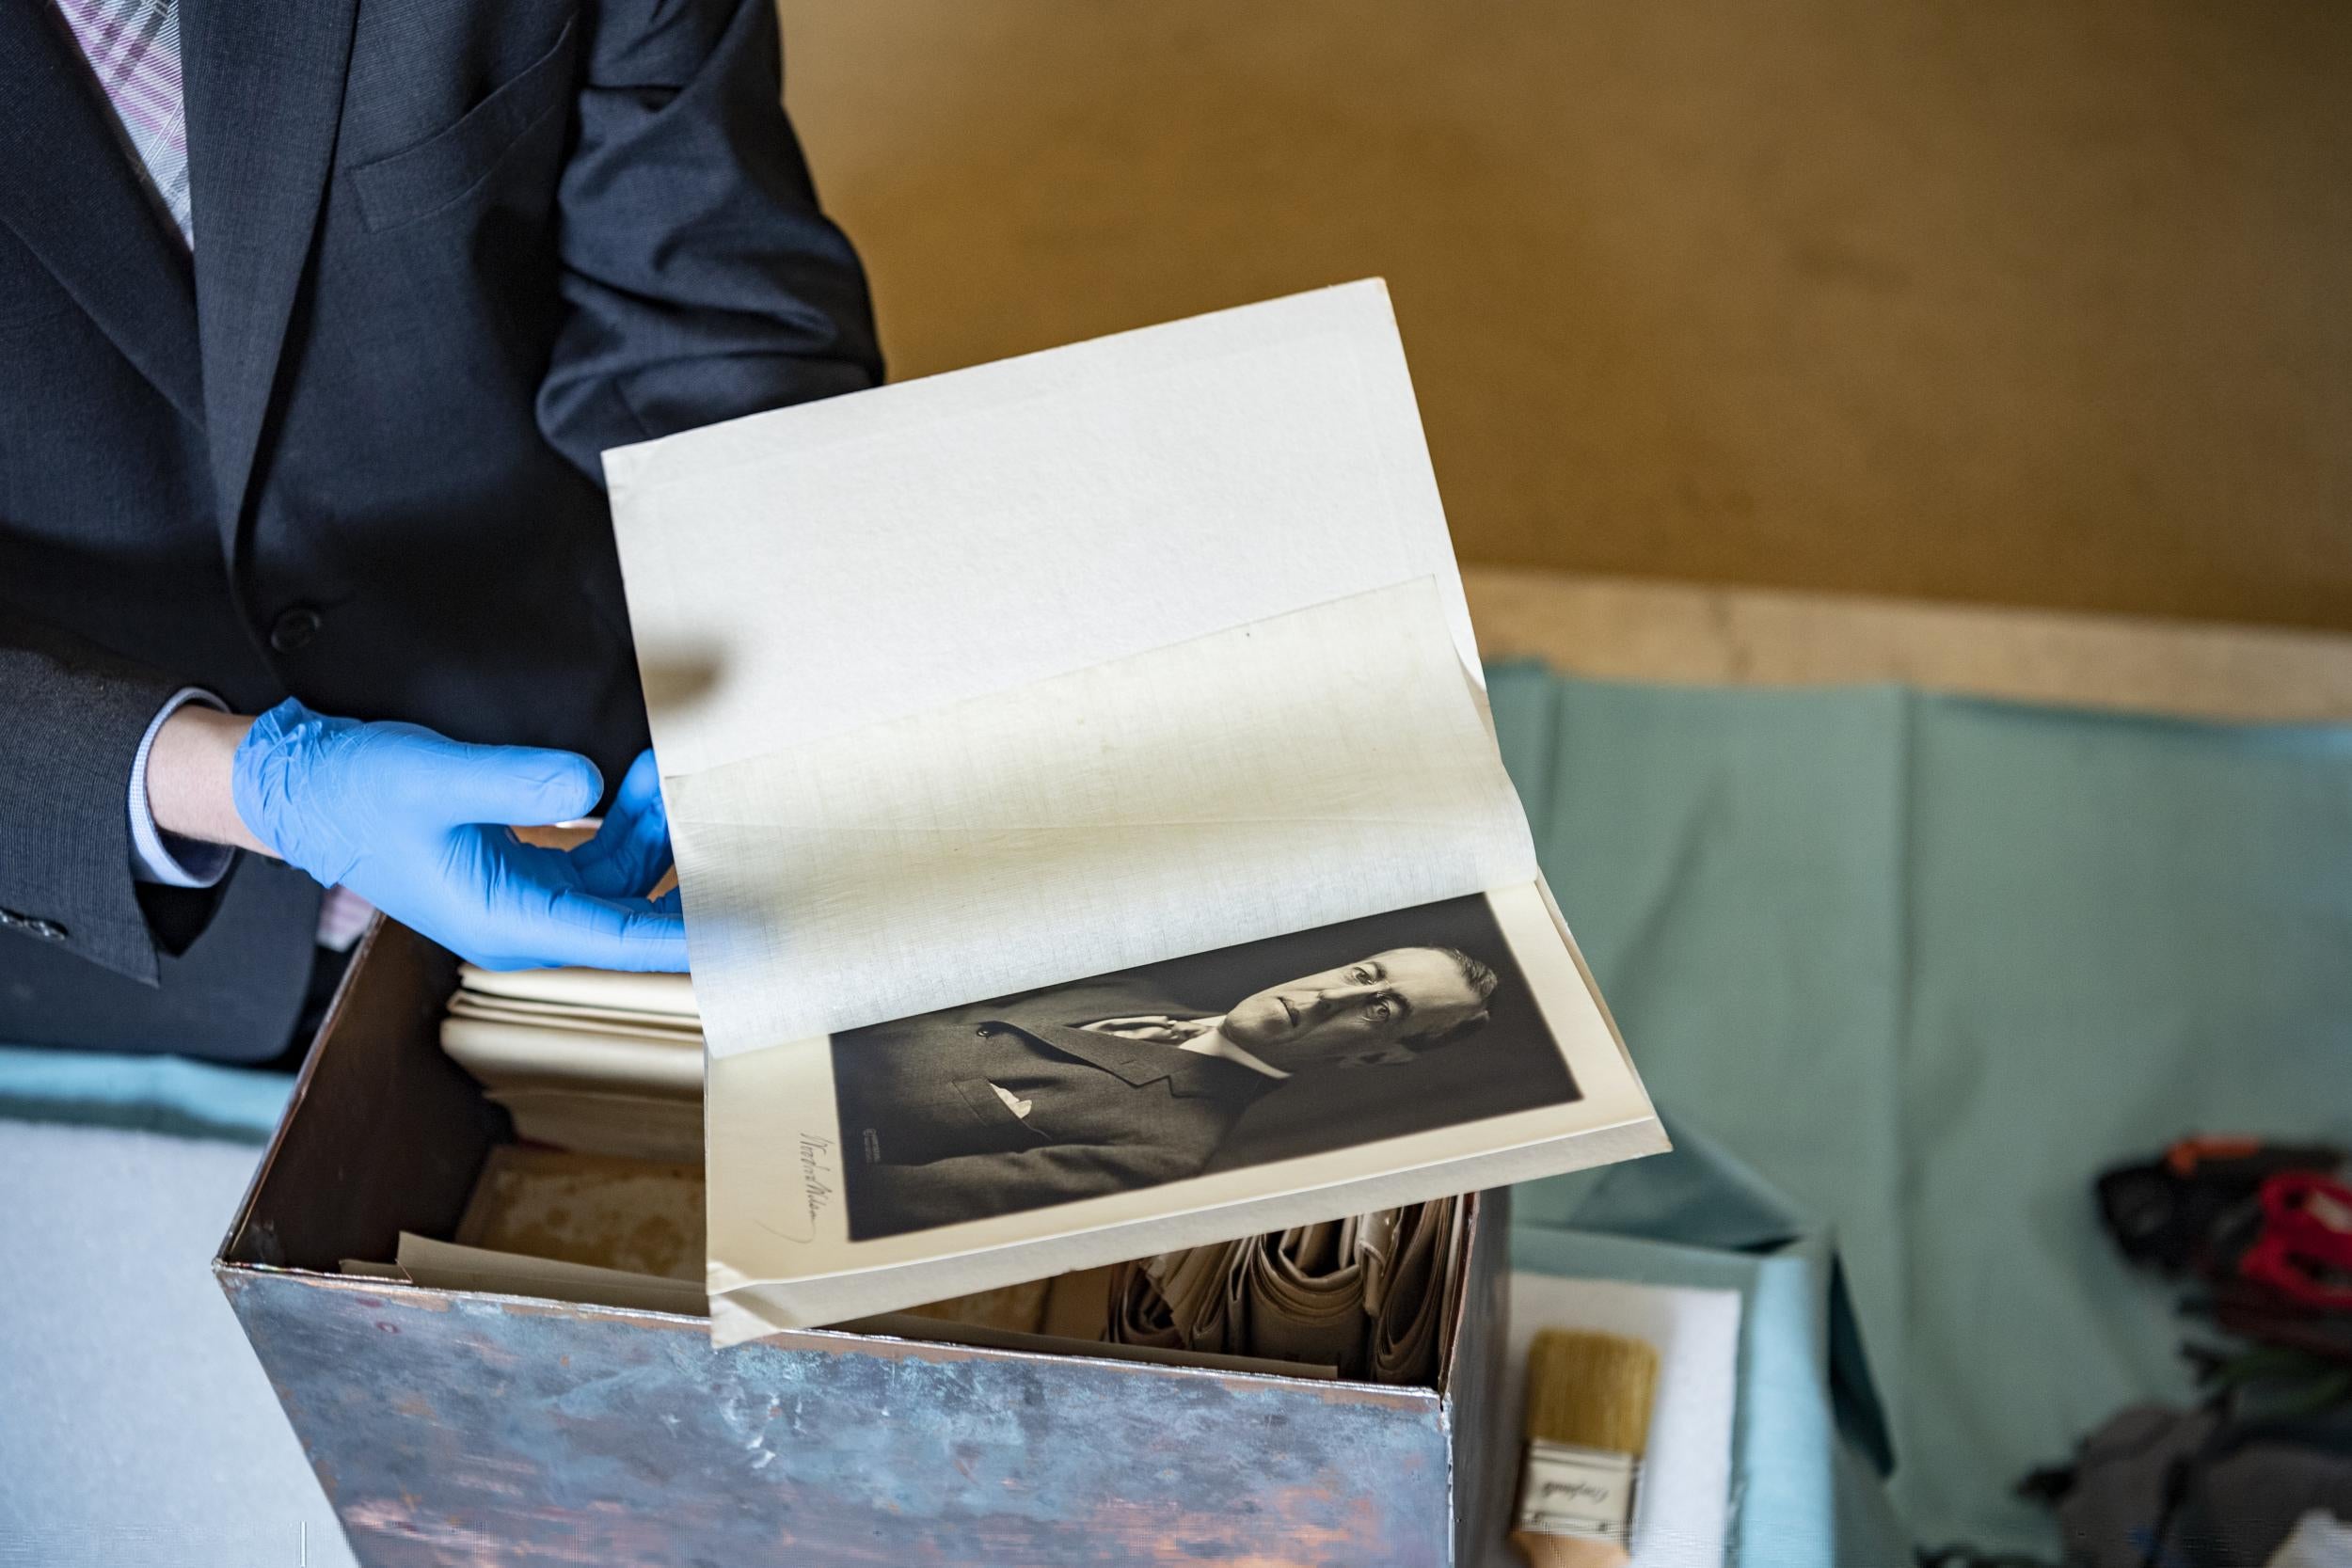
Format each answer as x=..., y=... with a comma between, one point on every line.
x=2305, y=1249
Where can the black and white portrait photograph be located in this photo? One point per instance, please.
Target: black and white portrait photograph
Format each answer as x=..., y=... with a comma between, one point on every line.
x=1399, y=1023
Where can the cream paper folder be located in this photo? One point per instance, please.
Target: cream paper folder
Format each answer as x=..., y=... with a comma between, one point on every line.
x=817, y=594
x=1042, y=670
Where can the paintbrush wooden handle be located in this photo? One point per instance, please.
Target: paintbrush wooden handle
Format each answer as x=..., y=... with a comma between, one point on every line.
x=1568, y=1551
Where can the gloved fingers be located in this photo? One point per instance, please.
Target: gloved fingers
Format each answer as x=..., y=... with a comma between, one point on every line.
x=672, y=902
x=581, y=929
x=507, y=905
x=511, y=785
x=574, y=929
x=631, y=849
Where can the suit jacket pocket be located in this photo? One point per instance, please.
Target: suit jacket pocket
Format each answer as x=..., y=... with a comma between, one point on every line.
x=450, y=164
x=991, y=1111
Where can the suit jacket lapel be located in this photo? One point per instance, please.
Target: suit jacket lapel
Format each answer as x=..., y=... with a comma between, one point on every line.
x=1140, y=1062
x=265, y=86
x=71, y=195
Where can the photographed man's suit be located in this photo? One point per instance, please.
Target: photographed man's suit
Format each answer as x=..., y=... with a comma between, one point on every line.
x=346, y=448
x=928, y=1140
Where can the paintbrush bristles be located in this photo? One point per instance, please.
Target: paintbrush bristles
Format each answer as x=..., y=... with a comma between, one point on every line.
x=1593, y=1390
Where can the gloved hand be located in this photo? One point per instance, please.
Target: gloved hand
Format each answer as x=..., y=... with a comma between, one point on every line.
x=417, y=824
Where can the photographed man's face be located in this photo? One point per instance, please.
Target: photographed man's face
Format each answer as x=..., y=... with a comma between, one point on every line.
x=1358, y=1014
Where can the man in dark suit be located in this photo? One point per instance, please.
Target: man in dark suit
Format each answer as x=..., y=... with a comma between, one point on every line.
x=1109, y=1084
x=314, y=318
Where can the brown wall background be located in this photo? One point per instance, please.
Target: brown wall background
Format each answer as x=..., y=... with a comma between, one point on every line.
x=2001, y=300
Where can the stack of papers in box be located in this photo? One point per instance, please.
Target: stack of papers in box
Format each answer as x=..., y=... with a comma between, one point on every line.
x=585, y=1059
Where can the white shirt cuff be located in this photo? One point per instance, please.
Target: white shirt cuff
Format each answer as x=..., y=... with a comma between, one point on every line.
x=158, y=856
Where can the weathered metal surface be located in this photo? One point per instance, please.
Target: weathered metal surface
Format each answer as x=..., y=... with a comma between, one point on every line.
x=461, y=1429
x=383, y=1133
x=1477, y=1415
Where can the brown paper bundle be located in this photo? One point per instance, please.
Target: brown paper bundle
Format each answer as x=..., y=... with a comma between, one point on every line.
x=1405, y=1335
x=1366, y=1295
x=1140, y=1313
x=1305, y=1297
x=1197, y=1284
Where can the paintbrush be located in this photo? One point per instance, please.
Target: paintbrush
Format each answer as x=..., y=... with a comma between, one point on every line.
x=1588, y=1404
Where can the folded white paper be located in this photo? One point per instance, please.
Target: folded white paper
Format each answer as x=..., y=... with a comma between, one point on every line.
x=1069, y=668
x=660, y=996
x=1313, y=768
x=979, y=682
x=504, y=1055
x=815, y=569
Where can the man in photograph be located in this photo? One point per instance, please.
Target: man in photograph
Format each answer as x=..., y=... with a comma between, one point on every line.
x=1108, y=1086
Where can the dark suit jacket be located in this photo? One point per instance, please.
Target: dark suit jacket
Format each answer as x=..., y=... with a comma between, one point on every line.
x=926, y=1141
x=446, y=252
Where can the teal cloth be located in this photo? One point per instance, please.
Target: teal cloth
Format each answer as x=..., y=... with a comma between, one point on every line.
x=1928, y=965
x=154, y=1094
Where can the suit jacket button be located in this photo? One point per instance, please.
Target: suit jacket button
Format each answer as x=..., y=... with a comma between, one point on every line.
x=294, y=629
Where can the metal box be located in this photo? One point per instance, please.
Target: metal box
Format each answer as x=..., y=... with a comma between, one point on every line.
x=452, y=1427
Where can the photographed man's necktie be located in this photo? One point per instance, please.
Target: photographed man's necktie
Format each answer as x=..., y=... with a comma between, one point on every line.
x=133, y=47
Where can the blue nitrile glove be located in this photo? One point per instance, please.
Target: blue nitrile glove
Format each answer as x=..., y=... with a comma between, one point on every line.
x=417, y=825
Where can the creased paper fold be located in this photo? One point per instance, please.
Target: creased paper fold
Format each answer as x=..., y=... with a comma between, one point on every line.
x=1311, y=767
